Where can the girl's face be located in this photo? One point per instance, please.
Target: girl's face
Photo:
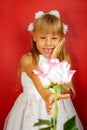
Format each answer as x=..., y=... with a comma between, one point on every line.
x=46, y=43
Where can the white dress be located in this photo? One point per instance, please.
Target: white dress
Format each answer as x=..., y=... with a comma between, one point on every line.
x=29, y=107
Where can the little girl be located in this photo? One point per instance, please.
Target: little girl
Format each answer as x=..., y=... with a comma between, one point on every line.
x=35, y=102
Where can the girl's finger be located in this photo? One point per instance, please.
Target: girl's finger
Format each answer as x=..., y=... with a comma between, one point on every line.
x=60, y=44
x=63, y=96
x=57, y=49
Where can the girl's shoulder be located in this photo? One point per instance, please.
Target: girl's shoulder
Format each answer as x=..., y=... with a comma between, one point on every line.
x=26, y=60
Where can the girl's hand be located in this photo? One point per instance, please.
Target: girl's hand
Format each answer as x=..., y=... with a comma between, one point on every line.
x=58, y=48
x=50, y=100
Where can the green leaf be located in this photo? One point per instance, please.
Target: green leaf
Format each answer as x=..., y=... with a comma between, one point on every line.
x=42, y=122
x=70, y=124
x=47, y=128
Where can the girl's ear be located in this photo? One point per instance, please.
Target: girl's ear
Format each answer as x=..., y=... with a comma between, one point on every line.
x=34, y=36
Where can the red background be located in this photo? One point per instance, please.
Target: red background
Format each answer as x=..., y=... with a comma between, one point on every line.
x=15, y=41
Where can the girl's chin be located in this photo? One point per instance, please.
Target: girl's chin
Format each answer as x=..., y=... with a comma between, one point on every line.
x=47, y=55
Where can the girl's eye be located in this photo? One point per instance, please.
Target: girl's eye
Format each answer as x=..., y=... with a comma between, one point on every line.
x=54, y=38
x=42, y=37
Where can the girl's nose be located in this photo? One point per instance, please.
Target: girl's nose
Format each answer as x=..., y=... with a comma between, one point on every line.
x=48, y=41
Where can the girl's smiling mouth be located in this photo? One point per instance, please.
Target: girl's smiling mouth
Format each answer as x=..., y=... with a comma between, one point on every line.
x=48, y=50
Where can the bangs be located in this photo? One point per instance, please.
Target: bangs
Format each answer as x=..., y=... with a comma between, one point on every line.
x=49, y=24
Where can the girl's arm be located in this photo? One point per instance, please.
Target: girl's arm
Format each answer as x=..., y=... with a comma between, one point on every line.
x=28, y=66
